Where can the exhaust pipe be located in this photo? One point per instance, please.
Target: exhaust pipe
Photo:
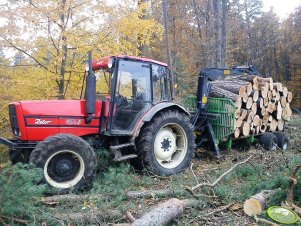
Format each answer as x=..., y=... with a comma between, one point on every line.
x=90, y=92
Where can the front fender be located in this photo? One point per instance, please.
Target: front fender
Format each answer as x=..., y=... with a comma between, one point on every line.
x=155, y=110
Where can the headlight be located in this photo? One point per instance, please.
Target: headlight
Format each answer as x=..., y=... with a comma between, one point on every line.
x=110, y=62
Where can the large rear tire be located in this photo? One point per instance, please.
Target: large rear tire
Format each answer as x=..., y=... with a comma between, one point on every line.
x=166, y=144
x=68, y=162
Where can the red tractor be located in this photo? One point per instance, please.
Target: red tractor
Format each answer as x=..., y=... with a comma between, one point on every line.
x=132, y=114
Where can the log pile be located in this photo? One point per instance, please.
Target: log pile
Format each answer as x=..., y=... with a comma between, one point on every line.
x=261, y=104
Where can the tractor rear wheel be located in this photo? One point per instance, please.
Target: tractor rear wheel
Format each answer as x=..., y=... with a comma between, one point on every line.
x=68, y=162
x=166, y=144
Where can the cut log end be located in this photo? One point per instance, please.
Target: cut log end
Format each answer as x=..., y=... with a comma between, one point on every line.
x=245, y=129
x=252, y=207
x=249, y=103
x=289, y=97
x=237, y=133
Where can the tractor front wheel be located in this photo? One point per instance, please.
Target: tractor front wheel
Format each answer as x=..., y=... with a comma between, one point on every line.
x=165, y=145
x=68, y=162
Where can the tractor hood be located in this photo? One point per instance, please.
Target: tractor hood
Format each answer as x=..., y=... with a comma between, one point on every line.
x=36, y=120
x=57, y=108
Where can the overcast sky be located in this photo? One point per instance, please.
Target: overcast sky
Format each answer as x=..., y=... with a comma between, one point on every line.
x=282, y=7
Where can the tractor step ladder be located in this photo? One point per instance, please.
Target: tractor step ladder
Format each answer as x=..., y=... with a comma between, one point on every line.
x=116, y=150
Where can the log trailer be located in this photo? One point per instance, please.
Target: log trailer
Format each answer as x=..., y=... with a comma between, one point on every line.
x=128, y=111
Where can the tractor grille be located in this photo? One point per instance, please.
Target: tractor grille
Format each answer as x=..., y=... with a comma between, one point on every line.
x=14, y=120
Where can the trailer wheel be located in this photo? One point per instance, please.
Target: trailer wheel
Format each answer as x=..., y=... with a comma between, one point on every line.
x=165, y=145
x=269, y=141
x=282, y=140
x=68, y=162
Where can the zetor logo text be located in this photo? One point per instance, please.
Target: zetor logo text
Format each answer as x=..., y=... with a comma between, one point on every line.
x=41, y=122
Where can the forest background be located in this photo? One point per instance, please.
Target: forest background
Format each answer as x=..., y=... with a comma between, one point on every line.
x=44, y=44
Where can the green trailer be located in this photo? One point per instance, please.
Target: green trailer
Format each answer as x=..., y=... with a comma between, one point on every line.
x=221, y=117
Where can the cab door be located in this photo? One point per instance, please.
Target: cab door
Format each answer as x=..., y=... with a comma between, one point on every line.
x=133, y=95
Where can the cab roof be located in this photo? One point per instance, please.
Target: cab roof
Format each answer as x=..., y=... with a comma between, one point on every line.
x=148, y=60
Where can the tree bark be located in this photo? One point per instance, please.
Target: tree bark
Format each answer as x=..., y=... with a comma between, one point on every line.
x=61, y=82
x=234, y=86
x=257, y=203
x=224, y=32
x=161, y=214
x=90, y=216
x=218, y=33
x=218, y=92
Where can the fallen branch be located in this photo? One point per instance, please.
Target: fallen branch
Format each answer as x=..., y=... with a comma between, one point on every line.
x=68, y=198
x=195, y=177
x=2, y=222
x=192, y=203
x=261, y=220
x=289, y=203
x=220, y=209
x=130, y=217
x=150, y=193
x=56, y=199
x=161, y=214
x=219, y=179
x=14, y=219
x=291, y=206
x=91, y=216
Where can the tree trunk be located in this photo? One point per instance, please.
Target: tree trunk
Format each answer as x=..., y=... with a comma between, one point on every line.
x=61, y=82
x=224, y=32
x=218, y=32
x=218, y=92
x=142, y=47
x=257, y=203
x=161, y=214
x=232, y=86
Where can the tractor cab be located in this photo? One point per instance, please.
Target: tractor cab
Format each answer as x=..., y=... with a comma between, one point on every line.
x=133, y=86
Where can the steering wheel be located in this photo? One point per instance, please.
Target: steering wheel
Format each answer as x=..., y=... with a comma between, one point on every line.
x=121, y=101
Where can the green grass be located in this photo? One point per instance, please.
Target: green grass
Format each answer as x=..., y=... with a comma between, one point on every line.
x=295, y=122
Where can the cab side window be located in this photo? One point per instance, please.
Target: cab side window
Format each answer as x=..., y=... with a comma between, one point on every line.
x=161, y=87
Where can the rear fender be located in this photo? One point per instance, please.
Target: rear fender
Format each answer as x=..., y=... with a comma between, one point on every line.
x=154, y=111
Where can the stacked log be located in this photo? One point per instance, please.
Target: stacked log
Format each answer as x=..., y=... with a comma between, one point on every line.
x=261, y=104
